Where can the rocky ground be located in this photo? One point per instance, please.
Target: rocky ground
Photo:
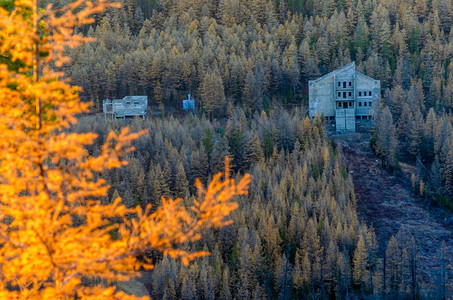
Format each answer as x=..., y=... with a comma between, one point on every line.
x=386, y=202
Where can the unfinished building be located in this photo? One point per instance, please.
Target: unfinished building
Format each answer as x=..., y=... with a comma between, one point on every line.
x=128, y=107
x=344, y=96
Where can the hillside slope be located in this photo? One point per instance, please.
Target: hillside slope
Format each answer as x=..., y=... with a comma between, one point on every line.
x=386, y=202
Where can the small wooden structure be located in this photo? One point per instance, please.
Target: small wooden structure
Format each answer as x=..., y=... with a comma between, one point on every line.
x=128, y=107
x=188, y=104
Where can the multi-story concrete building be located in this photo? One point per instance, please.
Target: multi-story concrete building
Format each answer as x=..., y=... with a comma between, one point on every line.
x=128, y=107
x=344, y=96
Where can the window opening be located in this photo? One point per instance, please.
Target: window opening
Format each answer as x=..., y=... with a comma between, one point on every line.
x=365, y=103
x=360, y=94
x=360, y=104
x=344, y=84
x=344, y=94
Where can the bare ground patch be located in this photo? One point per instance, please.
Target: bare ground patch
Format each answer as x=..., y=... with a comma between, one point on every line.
x=386, y=202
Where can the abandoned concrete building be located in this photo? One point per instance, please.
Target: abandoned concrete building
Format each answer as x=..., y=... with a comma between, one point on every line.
x=128, y=107
x=344, y=96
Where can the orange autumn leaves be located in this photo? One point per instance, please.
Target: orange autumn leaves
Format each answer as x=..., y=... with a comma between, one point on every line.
x=54, y=230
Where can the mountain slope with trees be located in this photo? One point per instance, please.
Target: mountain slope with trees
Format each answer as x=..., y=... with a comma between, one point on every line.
x=253, y=53
x=296, y=235
x=300, y=226
x=393, y=204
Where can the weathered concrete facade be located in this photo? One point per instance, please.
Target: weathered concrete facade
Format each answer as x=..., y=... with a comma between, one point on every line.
x=188, y=104
x=345, y=96
x=129, y=106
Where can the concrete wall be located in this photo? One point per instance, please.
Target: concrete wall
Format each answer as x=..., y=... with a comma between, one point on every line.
x=345, y=119
x=321, y=95
x=129, y=106
x=344, y=91
x=366, y=84
x=326, y=91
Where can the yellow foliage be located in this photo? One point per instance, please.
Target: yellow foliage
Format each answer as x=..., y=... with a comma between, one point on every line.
x=54, y=230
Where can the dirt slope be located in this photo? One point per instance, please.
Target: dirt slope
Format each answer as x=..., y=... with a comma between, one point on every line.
x=386, y=202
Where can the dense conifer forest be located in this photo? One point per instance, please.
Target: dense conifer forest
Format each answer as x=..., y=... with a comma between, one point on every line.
x=253, y=53
x=297, y=233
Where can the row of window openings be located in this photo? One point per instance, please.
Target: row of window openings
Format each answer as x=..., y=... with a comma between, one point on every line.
x=365, y=93
x=332, y=118
x=344, y=84
x=344, y=94
x=364, y=117
x=135, y=103
x=350, y=94
x=365, y=103
x=350, y=104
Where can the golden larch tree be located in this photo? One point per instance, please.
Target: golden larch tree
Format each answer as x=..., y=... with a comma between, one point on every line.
x=54, y=230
